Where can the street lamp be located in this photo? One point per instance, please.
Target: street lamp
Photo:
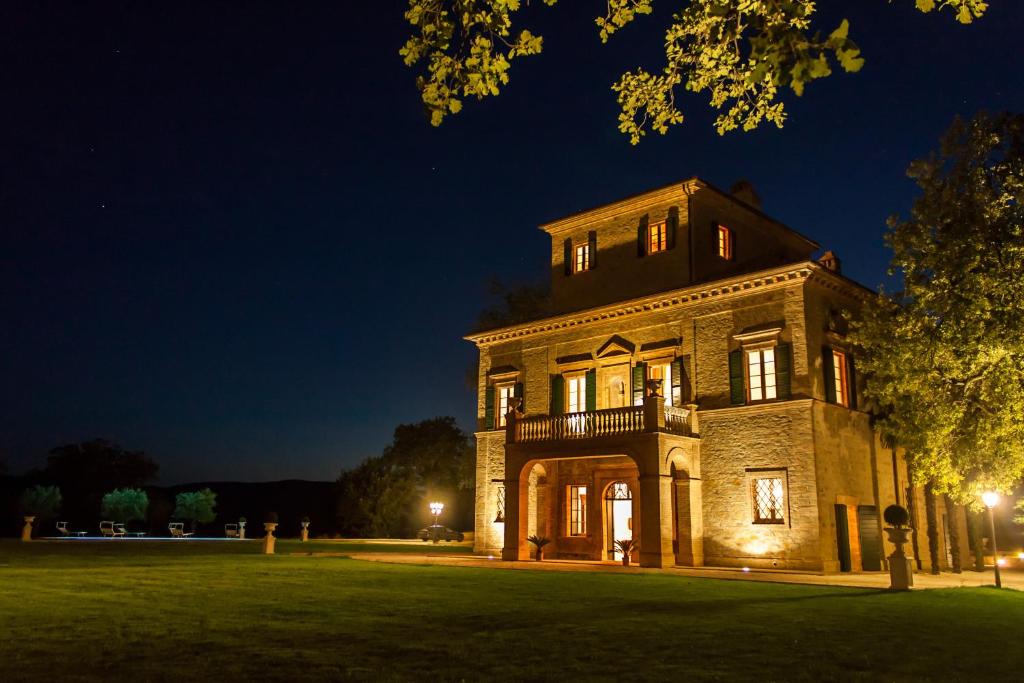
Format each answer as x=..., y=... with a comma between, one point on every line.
x=436, y=509
x=991, y=499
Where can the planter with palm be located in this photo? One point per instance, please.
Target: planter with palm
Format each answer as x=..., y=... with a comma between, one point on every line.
x=539, y=542
x=626, y=546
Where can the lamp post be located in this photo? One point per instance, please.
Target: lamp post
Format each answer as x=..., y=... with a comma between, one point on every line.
x=991, y=499
x=436, y=509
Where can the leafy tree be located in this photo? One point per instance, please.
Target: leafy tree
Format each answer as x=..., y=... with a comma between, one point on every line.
x=196, y=506
x=1019, y=507
x=41, y=501
x=98, y=464
x=386, y=495
x=125, y=505
x=944, y=357
x=740, y=52
x=514, y=304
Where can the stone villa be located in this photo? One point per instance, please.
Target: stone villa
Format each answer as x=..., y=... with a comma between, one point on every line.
x=691, y=390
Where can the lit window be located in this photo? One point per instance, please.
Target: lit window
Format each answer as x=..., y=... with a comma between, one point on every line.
x=761, y=374
x=839, y=373
x=582, y=260
x=576, y=394
x=725, y=242
x=657, y=235
x=662, y=371
x=505, y=394
x=768, y=500
x=577, y=510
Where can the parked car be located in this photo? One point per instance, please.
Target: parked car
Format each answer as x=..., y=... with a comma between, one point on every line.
x=437, y=532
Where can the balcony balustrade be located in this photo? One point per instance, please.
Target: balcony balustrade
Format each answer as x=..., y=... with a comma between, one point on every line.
x=607, y=422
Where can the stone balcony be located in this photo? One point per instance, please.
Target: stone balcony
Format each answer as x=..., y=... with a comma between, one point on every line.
x=652, y=416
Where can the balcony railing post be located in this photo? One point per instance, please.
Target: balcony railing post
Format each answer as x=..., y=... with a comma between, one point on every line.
x=654, y=407
x=692, y=417
x=511, y=420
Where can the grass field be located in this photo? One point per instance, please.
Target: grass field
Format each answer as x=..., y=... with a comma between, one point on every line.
x=174, y=611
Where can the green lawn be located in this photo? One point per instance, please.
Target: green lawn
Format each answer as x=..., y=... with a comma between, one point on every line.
x=213, y=611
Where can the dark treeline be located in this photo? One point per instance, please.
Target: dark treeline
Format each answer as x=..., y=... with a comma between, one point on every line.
x=386, y=495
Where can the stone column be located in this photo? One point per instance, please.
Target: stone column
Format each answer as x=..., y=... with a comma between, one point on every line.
x=26, y=531
x=654, y=408
x=516, y=507
x=656, y=521
x=544, y=509
x=689, y=524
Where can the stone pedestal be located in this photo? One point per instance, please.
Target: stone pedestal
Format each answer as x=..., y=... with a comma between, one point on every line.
x=26, y=531
x=901, y=571
x=269, y=540
x=304, y=536
x=241, y=530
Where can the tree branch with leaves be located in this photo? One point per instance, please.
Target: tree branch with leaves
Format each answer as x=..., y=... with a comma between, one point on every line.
x=742, y=53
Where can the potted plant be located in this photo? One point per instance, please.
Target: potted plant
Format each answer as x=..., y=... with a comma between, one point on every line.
x=269, y=525
x=901, y=573
x=39, y=501
x=241, y=527
x=539, y=542
x=305, y=529
x=626, y=546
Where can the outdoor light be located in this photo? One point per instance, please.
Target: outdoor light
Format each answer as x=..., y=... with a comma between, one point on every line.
x=991, y=499
x=436, y=509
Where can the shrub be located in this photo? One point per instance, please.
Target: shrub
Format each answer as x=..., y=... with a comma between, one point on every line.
x=897, y=516
x=41, y=501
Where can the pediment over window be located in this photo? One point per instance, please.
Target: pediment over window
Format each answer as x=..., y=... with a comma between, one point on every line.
x=502, y=372
x=574, y=358
x=615, y=346
x=760, y=334
x=659, y=345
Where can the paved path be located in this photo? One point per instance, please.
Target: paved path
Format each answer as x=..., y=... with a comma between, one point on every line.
x=1012, y=578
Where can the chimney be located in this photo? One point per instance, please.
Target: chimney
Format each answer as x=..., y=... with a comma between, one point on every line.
x=744, y=191
x=831, y=262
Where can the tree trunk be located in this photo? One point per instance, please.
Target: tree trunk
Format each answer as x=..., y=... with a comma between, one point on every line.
x=954, y=535
x=931, y=513
x=976, y=537
x=914, y=522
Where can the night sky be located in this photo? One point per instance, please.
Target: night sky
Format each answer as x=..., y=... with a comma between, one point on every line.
x=229, y=236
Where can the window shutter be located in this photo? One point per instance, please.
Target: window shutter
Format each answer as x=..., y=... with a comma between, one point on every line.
x=592, y=244
x=591, y=390
x=557, y=395
x=783, y=363
x=568, y=256
x=637, y=382
x=851, y=379
x=670, y=228
x=686, y=379
x=737, y=394
x=641, y=237
x=677, y=382
x=829, y=373
x=714, y=239
x=517, y=391
x=489, y=408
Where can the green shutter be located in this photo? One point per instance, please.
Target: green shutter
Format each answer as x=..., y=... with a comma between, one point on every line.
x=641, y=237
x=591, y=390
x=637, y=383
x=686, y=380
x=676, y=384
x=670, y=227
x=737, y=393
x=783, y=363
x=592, y=244
x=830, y=374
x=567, y=245
x=517, y=391
x=851, y=378
x=557, y=395
x=843, y=538
x=489, y=408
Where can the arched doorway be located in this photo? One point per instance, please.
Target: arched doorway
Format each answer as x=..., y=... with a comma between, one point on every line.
x=618, y=516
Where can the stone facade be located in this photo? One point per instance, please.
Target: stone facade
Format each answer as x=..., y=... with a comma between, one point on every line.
x=693, y=469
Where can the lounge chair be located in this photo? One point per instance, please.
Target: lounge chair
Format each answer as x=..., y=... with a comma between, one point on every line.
x=231, y=530
x=111, y=529
x=177, y=530
x=62, y=527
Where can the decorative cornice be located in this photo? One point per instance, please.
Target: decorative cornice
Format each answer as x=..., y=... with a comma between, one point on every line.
x=730, y=287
